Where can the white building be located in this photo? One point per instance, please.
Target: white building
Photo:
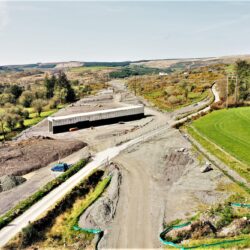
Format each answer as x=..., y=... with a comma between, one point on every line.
x=163, y=74
x=96, y=117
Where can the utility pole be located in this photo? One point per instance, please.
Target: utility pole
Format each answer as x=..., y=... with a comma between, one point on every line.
x=236, y=88
x=227, y=92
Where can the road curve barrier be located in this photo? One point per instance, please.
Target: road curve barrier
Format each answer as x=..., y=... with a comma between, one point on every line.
x=172, y=244
x=88, y=230
x=239, y=205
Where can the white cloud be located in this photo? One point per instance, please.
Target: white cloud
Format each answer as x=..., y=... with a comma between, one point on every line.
x=4, y=15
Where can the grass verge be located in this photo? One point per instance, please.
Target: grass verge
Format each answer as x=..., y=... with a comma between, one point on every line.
x=220, y=154
x=233, y=245
x=211, y=100
x=62, y=228
x=22, y=206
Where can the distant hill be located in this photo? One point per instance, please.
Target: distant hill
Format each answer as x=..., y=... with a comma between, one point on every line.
x=180, y=63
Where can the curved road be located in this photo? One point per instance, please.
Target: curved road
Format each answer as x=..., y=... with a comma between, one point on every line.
x=216, y=99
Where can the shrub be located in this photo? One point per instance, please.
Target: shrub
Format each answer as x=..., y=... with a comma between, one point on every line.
x=29, y=234
x=53, y=103
x=26, y=98
x=25, y=114
x=38, y=106
x=173, y=100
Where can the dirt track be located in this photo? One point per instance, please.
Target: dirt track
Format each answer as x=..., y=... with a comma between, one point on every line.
x=158, y=185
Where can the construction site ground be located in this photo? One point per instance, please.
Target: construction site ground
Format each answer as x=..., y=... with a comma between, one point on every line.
x=161, y=178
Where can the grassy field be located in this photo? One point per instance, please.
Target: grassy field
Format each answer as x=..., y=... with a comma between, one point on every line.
x=226, y=135
x=229, y=129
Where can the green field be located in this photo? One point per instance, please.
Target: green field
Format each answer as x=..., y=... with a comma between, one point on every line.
x=229, y=129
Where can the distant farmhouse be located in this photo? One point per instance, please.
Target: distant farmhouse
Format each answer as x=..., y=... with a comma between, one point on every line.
x=163, y=74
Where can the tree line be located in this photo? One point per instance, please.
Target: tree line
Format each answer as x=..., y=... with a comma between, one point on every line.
x=15, y=100
x=243, y=74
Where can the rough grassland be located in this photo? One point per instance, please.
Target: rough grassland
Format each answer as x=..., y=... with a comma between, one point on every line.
x=229, y=129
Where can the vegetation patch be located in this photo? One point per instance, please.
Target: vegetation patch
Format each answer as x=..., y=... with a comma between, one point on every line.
x=57, y=222
x=61, y=232
x=238, y=242
x=178, y=89
x=135, y=70
x=217, y=224
x=21, y=207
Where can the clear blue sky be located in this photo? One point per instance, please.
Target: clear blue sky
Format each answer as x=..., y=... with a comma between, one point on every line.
x=34, y=31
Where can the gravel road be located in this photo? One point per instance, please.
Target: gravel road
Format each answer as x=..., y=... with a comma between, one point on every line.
x=159, y=184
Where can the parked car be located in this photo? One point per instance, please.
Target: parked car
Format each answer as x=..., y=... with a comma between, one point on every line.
x=60, y=167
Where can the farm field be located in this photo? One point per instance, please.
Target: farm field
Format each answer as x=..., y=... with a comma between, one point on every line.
x=229, y=129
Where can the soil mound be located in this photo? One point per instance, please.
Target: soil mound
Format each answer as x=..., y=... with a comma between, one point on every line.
x=236, y=227
x=8, y=182
x=22, y=157
x=103, y=210
x=195, y=230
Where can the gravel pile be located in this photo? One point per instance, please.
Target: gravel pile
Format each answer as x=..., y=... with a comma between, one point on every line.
x=8, y=182
x=103, y=210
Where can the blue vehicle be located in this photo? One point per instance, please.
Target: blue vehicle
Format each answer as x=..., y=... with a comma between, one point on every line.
x=60, y=167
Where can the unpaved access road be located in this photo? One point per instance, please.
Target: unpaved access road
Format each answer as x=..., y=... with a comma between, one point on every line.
x=159, y=184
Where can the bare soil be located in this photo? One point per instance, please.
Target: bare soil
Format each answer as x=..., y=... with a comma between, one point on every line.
x=19, y=158
x=35, y=180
